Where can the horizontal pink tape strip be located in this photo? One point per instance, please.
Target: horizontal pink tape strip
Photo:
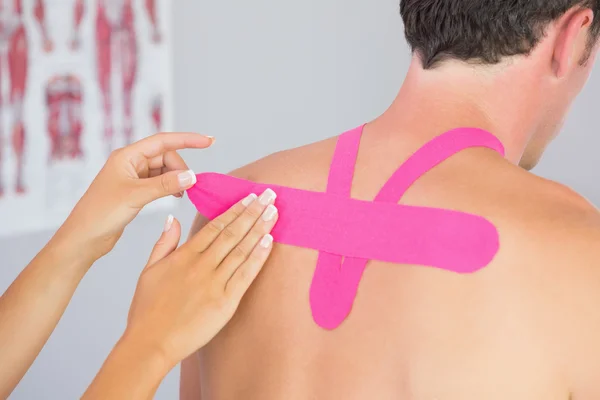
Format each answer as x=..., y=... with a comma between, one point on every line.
x=388, y=232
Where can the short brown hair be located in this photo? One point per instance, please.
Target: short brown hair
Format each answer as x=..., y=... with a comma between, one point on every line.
x=483, y=31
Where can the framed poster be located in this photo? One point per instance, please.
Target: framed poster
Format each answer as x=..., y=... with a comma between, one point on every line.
x=78, y=79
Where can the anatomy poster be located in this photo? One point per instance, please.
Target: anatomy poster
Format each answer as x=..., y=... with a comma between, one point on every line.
x=78, y=79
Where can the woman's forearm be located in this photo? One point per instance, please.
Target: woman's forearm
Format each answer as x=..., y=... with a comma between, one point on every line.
x=132, y=371
x=32, y=306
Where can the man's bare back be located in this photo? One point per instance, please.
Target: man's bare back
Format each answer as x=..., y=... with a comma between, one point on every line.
x=525, y=327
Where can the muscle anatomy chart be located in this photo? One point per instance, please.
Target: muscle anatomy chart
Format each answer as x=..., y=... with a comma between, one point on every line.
x=117, y=58
x=78, y=79
x=14, y=60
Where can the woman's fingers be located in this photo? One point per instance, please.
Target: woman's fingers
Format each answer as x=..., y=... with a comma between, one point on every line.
x=207, y=235
x=247, y=272
x=167, y=184
x=232, y=234
x=171, y=161
x=161, y=143
x=168, y=242
x=152, y=153
x=245, y=248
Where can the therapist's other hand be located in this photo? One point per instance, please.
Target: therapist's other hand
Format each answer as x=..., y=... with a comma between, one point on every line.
x=131, y=178
x=185, y=296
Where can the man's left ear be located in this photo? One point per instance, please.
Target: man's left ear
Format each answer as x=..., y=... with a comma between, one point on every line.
x=572, y=41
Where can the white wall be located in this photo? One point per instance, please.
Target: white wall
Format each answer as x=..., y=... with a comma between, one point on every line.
x=261, y=76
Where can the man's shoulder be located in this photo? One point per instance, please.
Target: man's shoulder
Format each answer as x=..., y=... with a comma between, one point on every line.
x=566, y=265
x=547, y=210
x=555, y=248
x=550, y=232
x=304, y=167
x=553, y=204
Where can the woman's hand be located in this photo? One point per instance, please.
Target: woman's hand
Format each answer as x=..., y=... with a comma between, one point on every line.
x=131, y=178
x=185, y=296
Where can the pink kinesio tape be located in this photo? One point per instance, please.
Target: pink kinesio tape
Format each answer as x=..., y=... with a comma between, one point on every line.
x=355, y=231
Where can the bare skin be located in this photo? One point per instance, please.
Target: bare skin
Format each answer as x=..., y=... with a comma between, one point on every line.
x=524, y=328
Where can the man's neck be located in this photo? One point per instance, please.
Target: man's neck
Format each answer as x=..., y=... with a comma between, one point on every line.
x=432, y=102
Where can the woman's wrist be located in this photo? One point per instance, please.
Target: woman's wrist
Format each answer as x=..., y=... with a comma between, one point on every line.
x=75, y=238
x=68, y=252
x=132, y=371
x=143, y=352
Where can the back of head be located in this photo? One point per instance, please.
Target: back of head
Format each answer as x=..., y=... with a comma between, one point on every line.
x=551, y=45
x=484, y=31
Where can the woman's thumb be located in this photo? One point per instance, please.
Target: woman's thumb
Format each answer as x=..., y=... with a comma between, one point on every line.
x=168, y=184
x=168, y=242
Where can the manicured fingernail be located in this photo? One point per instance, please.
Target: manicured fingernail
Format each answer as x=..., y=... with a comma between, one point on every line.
x=269, y=213
x=169, y=223
x=212, y=138
x=186, y=179
x=249, y=200
x=266, y=241
x=267, y=197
